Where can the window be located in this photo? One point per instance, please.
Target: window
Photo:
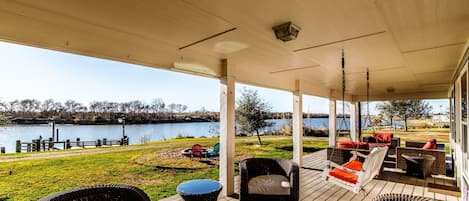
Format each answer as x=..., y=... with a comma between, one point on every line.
x=464, y=98
x=452, y=116
x=461, y=137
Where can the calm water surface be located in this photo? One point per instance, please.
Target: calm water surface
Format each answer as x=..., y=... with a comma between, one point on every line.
x=154, y=132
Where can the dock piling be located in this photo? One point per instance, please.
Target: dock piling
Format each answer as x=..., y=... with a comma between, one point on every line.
x=18, y=146
x=67, y=144
x=51, y=144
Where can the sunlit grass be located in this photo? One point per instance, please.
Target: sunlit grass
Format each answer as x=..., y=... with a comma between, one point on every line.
x=33, y=179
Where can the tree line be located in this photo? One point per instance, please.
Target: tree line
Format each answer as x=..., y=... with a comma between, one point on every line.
x=33, y=110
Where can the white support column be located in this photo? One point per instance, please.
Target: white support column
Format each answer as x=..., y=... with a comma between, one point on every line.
x=297, y=125
x=227, y=130
x=353, y=121
x=332, y=122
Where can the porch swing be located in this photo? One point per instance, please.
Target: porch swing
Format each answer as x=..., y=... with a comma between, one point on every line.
x=354, y=174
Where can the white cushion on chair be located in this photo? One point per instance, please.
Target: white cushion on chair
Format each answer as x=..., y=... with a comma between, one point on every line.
x=273, y=184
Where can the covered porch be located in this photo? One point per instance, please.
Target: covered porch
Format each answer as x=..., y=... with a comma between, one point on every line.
x=313, y=188
x=411, y=49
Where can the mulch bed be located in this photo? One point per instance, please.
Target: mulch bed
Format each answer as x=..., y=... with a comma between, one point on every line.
x=173, y=159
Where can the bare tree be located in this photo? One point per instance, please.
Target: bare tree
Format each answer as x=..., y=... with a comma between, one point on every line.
x=29, y=105
x=47, y=105
x=136, y=106
x=72, y=106
x=96, y=107
x=58, y=107
x=157, y=106
x=180, y=108
x=124, y=107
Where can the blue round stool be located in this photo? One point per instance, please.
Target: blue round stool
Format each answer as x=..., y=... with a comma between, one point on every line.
x=199, y=190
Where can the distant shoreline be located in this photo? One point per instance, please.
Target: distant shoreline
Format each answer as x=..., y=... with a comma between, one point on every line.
x=188, y=119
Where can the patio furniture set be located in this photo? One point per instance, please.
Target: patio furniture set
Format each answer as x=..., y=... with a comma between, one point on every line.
x=417, y=158
x=351, y=165
x=197, y=151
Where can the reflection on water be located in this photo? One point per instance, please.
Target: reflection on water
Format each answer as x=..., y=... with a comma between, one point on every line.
x=155, y=132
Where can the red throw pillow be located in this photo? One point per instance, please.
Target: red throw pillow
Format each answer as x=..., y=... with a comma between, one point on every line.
x=378, y=137
x=350, y=145
x=347, y=176
x=383, y=137
x=387, y=137
x=345, y=144
x=431, y=144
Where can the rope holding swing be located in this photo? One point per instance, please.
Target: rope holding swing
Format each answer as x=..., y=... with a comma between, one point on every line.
x=343, y=123
x=368, y=122
x=343, y=119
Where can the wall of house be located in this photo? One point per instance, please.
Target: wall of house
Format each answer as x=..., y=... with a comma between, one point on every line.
x=460, y=126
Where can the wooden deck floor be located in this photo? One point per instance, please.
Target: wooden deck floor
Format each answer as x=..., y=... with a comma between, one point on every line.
x=313, y=188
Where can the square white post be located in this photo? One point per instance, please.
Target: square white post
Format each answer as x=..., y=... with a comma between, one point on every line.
x=227, y=130
x=353, y=121
x=332, y=122
x=297, y=125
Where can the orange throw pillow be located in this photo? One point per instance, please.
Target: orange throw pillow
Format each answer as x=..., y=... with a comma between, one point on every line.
x=354, y=165
x=346, y=176
x=431, y=144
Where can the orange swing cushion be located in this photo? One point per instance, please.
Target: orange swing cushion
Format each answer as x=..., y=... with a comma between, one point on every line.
x=347, y=176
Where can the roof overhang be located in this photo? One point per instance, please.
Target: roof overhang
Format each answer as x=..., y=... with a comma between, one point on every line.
x=412, y=47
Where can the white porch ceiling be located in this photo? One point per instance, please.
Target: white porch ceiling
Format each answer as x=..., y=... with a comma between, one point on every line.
x=412, y=47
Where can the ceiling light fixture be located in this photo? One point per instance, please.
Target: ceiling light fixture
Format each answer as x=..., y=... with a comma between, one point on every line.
x=286, y=31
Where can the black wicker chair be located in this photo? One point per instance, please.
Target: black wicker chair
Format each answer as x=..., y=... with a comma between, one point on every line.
x=253, y=167
x=100, y=193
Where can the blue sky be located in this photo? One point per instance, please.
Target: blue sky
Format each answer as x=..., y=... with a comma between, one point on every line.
x=28, y=72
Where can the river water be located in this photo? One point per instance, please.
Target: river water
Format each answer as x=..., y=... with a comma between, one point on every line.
x=153, y=132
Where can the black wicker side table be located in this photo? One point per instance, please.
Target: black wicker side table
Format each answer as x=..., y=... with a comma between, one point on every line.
x=419, y=165
x=199, y=190
x=400, y=197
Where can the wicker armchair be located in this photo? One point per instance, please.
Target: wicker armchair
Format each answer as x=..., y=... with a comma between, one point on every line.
x=100, y=193
x=254, y=168
x=438, y=167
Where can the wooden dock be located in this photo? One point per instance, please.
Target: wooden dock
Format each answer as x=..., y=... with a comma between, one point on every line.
x=313, y=188
x=38, y=145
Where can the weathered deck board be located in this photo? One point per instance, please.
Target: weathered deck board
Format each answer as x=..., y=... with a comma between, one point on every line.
x=313, y=188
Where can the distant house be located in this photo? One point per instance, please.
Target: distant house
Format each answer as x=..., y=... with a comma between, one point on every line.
x=440, y=118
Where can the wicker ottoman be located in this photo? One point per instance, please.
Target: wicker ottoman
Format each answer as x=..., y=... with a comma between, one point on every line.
x=400, y=197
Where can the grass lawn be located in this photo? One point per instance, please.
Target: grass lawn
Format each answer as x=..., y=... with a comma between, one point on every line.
x=33, y=179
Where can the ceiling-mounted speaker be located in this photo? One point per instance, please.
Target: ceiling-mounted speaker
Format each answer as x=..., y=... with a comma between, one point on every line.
x=286, y=31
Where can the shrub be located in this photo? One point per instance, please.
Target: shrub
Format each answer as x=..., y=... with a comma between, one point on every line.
x=316, y=132
x=145, y=139
x=183, y=136
x=4, y=120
